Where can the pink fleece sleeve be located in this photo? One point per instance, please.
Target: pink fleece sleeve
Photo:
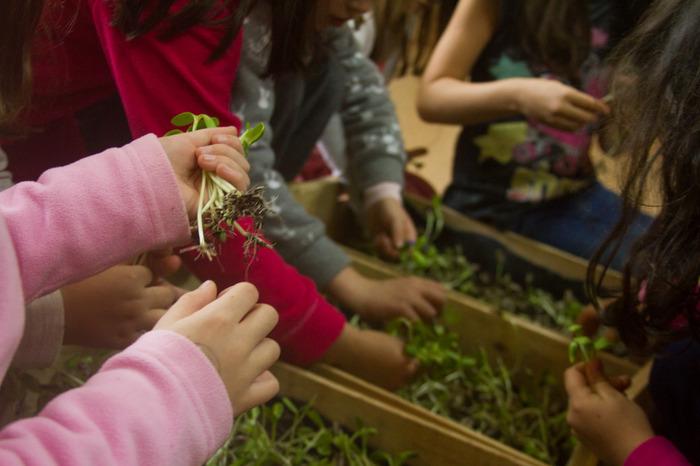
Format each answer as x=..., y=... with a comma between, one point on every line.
x=157, y=79
x=308, y=324
x=160, y=402
x=80, y=219
x=657, y=451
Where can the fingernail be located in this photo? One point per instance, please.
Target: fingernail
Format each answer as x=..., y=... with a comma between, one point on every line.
x=208, y=158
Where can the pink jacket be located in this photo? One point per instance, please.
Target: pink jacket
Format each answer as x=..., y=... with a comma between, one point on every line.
x=158, y=402
x=657, y=451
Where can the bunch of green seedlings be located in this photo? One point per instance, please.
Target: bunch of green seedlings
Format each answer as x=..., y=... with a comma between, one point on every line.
x=584, y=348
x=529, y=415
x=283, y=433
x=220, y=203
x=450, y=267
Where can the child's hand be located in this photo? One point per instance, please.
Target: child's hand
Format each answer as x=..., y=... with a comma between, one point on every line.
x=231, y=330
x=390, y=226
x=113, y=308
x=374, y=356
x=385, y=300
x=216, y=150
x=601, y=417
x=558, y=105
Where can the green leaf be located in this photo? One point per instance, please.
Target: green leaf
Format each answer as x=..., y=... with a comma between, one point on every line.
x=209, y=122
x=173, y=132
x=277, y=410
x=251, y=135
x=601, y=343
x=183, y=119
x=575, y=328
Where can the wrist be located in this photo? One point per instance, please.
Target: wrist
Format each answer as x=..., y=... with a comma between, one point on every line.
x=341, y=347
x=514, y=90
x=348, y=288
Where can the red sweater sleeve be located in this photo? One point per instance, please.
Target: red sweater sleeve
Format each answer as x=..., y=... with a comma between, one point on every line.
x=308, y=324
x=656, y=451
x=158, y=79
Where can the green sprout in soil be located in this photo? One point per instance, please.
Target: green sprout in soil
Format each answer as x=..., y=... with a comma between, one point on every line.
x=288, y=434
x=584, y=346
x=511, y=406
x=450, y=267
x=220, y=203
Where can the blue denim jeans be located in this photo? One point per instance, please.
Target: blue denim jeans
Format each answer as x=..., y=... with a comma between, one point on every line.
x=580, y=222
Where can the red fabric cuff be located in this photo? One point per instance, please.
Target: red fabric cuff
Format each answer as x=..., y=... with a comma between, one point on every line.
x=308, y=324
x=656, y=451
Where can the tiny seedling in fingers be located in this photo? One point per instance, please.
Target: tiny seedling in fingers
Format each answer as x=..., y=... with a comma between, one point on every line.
x=584, y=346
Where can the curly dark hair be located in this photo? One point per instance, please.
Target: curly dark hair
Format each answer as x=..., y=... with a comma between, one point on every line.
x=657, y=117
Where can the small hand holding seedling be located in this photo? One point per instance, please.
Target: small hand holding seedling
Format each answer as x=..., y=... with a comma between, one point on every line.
x=221, y=203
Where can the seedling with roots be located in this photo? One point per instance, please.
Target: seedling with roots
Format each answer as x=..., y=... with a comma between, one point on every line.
x=584, y=346
x=221, y=203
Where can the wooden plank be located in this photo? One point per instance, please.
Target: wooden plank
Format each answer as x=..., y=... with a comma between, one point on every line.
x=566, y=265
x=517, y=340
x=397, y=431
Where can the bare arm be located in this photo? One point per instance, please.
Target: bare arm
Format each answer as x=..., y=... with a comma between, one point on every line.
x=448, y=96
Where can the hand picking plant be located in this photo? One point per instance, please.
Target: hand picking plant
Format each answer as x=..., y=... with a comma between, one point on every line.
x=525, y=412
x=584, y=346
x=450, y=267
x=287, y=434
x=220, y=203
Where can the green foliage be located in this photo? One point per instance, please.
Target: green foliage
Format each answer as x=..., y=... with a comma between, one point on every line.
x=450, y=267
x=483, y=394
x=584, y=346
x=286, y=434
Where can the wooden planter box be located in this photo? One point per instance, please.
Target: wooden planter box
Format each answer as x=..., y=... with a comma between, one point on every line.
x=516, y=340
x=399, y=428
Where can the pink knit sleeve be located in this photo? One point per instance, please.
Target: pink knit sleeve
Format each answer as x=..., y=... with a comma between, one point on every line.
x=308, y=324
x=160, y=402
x=157, y=79
x=657, y=451
x=80, y=219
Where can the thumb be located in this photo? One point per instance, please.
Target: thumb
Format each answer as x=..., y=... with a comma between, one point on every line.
x=188, y=304
x=397, y=231
x=203, y=137
x=597, y=379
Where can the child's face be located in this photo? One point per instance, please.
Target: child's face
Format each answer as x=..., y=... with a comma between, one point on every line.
x=337, y=12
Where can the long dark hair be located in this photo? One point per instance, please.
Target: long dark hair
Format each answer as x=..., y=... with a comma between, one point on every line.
x=657, y=115
x=18, y=24
x=292, y=33
x=555, y=34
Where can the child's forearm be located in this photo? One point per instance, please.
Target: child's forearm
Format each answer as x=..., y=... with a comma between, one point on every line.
x=452, y=101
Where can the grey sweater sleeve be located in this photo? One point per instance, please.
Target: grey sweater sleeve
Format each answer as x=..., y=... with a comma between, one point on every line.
x=299, y=237
x=373, y=137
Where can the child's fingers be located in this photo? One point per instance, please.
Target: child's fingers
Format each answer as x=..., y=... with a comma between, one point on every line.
x=264, y=355
x=563, y=123
x=409, y=230
x=262, y=390
x=233, y=175
x=385, y=246
x=189, y=303
x=597, y=379
x=231, y=141
x=226, y=151
x=586, y=102
x=575, y=382
x=160, y=296
x=225, y=168
x=424, y=309
x=234, y=303
x=580, y=115
x=260, y=322
x=203, y=137
x=433, y=292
